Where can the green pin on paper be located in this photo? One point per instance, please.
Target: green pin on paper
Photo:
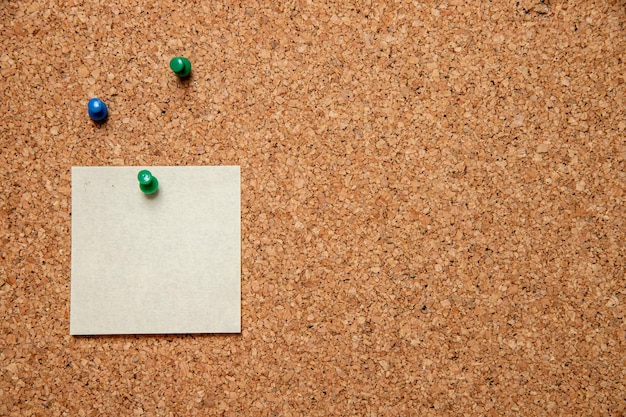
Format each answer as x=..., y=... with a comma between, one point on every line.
x=181, y=66
x=147, y=182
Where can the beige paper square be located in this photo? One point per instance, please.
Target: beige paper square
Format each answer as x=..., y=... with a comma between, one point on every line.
x=166, y=263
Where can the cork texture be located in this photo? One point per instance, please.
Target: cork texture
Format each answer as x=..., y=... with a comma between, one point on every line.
x=432, y=203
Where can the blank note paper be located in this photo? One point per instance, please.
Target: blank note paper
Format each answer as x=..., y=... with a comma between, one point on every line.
x=169, y=262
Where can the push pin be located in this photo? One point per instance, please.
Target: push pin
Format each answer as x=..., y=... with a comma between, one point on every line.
x=147, y=182
x=97, y=109
x=181, y=66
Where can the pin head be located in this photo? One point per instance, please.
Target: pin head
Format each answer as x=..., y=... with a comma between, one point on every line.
x=148, y=183
x=181, y=66
x=97, y=109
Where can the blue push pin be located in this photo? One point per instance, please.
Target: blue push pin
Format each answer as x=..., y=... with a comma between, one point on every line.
x=97, y=109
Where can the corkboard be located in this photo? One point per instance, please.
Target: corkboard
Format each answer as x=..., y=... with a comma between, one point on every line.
x=432, y=203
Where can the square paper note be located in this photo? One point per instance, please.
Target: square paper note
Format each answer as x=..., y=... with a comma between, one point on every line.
x=169, y=262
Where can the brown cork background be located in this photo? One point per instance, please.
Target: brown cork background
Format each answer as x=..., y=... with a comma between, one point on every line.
x=432, y=203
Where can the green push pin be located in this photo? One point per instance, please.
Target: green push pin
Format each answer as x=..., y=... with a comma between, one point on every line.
x=147, y=182
x=181, y=66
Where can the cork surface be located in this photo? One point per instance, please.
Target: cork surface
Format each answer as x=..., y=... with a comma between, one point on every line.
x=432, y=203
